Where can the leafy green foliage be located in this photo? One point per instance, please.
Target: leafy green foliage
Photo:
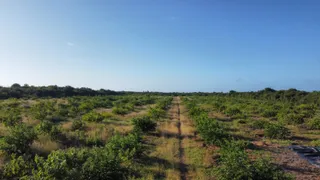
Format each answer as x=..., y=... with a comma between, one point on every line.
x=314, y=123
x=18, y=166
x=144, y=124
x=259, y=124
x=210, y=129
x=11, y=117
x=234, y=163
x=95, y=163
x=156, y=113
x=125, y=147
x=47, y=127
x=92, y=117
x=276, y=131
x=19, y=140
x=120, y=110
x=77, y=125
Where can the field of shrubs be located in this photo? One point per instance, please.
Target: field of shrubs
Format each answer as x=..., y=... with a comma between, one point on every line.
x=69, y=133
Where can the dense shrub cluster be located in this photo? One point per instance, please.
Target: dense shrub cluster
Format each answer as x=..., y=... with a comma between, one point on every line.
x=92, y=117
x=209, y=129
x=49, y=128
x=234, y=163
x=159, y=111
x=109, y=162
x=276, y=131
x=19, y=140
x=143, y=124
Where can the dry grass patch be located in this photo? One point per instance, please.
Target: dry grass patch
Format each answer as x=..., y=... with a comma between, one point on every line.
x=44, y=145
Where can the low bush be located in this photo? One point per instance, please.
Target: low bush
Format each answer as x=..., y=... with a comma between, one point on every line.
x=156, y=113
x=259, y=124
x=95, y=163
x=234, y=163
x=125, y=147
x=47, y=127
x=276, y=131
x=11, y=117
x=268, y=113
x=18, y=166
x=232, y=111
x=77, y=125
x=314, y=123
x=143, y=124
x=92, y=117
x=120, y=110
x=19, y=140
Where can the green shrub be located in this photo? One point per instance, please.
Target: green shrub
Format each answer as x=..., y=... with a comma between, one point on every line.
x=95, y=163
x=47, y=127
x=156, y=113
x=11, y=117
x=235, y=164
x=17, y=167
x=276, y=131
x=120, y=110
x=263, y=169
x=268, y=113
x=259, y=124
x=232, y=111
x=314, y=123
x=92, y=117
x=125, y=147
x=144, y=124
x=19, y=140
x=211, y=130
x=315, y=143
x=77, y=125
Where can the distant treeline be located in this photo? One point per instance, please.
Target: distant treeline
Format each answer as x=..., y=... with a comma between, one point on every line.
x=26, y=91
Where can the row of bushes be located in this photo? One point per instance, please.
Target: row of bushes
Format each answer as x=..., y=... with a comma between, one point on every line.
x=233, y=161
x=113, y=161
x=211, y=131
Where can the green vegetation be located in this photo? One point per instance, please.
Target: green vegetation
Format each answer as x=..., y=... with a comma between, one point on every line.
x=144, y=124
x=78, y=133
x=234, y=163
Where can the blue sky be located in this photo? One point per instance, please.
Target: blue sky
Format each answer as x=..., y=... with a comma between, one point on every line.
x=161, y=45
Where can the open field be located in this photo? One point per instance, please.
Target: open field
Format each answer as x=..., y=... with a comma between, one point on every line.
x=153, y=136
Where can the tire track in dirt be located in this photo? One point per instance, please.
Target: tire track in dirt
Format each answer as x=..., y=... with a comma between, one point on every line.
x=182, y=166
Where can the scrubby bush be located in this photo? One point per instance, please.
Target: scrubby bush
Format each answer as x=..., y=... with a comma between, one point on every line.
x=234, y=163
x=92, y=117
x=125, y=147
x=156, y=113
x=211, y=130
x=11, y=117
x=268, y=113
x=77, y=125
x=47, y=127
x=276, y=131
x=232, y=111
x=95, y=163
x=19, y=140
x=259, y=124
x=264, y=169
x=120, y=110
x=18, y=166
x=314, y=123
x=144, y=124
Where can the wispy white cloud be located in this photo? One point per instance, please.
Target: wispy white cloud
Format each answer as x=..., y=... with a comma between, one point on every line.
x=70, y=44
